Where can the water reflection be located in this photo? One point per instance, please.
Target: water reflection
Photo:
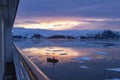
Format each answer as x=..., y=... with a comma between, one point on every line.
x=60, y=53
x=76, y=60
x=64, y=54
x=52, y=60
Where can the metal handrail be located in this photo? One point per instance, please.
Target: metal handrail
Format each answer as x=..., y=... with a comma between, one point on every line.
x=33, y=71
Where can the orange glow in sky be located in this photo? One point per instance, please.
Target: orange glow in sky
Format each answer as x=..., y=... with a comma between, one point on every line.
x=55, y=25
x=69, y=23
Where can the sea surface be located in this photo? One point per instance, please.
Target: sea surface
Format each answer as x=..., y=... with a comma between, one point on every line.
x=77, y=59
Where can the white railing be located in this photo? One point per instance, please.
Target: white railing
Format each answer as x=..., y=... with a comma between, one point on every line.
x=25, y=68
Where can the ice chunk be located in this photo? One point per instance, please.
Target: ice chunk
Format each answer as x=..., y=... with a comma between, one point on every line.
x=113, y=79
x=101, y=52
x=63, y=54
x=85, y=58
x=85, y=67
x=114, y=69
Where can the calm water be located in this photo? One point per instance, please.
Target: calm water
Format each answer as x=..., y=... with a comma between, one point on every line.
x=78, y=60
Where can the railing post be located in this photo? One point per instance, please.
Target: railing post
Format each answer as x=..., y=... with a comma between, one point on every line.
x=1, y=47
x=8, y=42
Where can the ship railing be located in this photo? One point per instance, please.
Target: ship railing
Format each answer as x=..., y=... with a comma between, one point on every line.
x=25, y=68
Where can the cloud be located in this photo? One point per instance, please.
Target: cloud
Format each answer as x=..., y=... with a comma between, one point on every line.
x=79, y=23
x=75, y=8
x=17, y=22
x=99, y=24
x=32, y=22
x=95, y=14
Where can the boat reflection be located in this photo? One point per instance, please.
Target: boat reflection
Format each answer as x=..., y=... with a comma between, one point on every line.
x=52, y=60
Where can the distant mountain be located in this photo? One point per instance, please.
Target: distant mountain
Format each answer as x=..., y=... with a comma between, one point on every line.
x=61, y=37
x=48, y=33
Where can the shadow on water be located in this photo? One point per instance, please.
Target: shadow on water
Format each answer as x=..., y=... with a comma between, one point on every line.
x=52, y=60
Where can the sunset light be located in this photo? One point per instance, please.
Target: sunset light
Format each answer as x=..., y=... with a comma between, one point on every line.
x=68, y=23
x=61, y=39
x=56, y=25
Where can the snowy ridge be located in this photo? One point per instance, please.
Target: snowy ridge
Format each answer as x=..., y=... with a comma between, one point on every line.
x=48, y=33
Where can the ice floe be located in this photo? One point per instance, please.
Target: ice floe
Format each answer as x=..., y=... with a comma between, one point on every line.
x=114, y=69
x=63, y=54
x=85, y=67
x=85, y=58
x=101, y=52
x=113, y=79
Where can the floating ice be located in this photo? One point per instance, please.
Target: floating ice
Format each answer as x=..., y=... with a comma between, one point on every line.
x=113, y=79
x=81, y=61
x=101, y=52
x=63, y=54
x=86, y=58
x=114, y=69
x=85, y=67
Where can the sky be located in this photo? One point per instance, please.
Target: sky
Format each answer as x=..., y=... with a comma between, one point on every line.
x=69, y=14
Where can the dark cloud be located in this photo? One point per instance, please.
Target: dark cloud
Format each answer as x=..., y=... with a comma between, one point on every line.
x=27, y=22
x=86, y=10
x=99, y=25
x=32, y=22
x=113, y=25
x=82, y=8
